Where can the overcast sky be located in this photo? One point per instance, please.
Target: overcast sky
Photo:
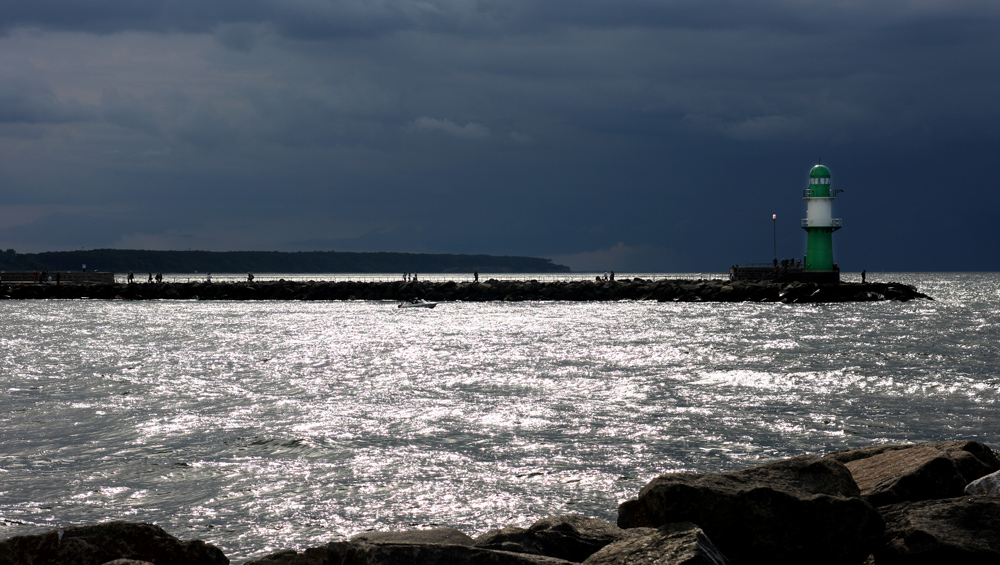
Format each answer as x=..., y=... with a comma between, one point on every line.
x=634, y=135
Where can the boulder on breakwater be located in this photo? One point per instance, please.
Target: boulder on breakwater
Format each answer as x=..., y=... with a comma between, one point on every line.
x=665, y=290
x=881, y=505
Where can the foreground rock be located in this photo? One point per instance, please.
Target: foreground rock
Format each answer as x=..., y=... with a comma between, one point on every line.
x=962, y=530
x=890, y=474
x=405, y=548
x=672, y=544
x=801, y=510
x=556, y=540
x=362, y=553
x=442, y=536
x=95, y=545
x=571, y=537
x=492, y=290
x=988, y=485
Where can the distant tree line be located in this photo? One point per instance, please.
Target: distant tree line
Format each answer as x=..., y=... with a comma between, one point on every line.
x=124, y=260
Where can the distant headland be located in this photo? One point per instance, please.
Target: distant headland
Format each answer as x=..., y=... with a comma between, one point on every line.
x=125, y=260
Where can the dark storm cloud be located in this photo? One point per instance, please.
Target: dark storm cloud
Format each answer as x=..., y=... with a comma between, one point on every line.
x=318, y=19
x=295, y=18
x=634, y=134
x=28, y=101
x=115, y=16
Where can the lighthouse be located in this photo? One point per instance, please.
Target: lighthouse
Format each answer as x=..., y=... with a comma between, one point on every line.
x=820, y=224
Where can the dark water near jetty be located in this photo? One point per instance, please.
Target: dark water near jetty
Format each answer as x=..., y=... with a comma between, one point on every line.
x=270, y=425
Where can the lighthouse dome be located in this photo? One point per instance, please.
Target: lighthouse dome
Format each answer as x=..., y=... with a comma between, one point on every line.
x=819, y=172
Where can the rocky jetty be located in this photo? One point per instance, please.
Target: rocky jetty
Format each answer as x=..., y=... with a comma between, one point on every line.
x=882, y=505
x=492, y=290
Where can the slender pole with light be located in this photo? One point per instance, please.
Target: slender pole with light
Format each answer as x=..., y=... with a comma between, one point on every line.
x=774, y=226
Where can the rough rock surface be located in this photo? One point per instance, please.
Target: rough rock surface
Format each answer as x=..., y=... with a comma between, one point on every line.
x=674, y=544
x=98, y=544
x=987, y=486
x=446, y=536
x=386, y=553
x=800, y=510
x=924, y=471
x=962, y=530
x=570, y=537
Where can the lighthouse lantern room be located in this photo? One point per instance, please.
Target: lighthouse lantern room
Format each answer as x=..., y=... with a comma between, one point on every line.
x=820, y=224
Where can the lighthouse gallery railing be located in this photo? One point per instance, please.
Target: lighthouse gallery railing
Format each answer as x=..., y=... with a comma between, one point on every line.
x=823, y=223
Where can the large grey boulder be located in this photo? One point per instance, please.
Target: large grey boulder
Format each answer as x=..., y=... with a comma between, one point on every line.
x=801, y=510
x=889, y=474
x=987, y=486
x=672, y=544
x=405, y=548
x=571, y=537
x=101, y=543
x=408, y=554
x=440, y=536
x=363, y=553
x=962, y=530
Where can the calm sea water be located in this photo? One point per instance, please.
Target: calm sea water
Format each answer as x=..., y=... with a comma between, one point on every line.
x=260, y=426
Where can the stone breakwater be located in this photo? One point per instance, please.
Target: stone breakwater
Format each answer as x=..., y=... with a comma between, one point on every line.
x=926, y=503
x=491, y=290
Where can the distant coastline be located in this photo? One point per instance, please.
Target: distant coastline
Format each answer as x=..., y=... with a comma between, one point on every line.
x=137, y=260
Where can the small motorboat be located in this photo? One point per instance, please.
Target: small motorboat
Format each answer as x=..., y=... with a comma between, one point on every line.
x=418, y=303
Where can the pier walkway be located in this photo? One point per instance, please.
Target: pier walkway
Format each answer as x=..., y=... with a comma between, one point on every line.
x=663, y=290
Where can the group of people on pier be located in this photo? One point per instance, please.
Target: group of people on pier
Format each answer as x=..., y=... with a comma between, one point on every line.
x=788, y=264
x=44, y=276
x=158, y=278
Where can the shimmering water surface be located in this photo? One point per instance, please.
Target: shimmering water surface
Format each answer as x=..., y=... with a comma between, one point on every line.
x=260, y=426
